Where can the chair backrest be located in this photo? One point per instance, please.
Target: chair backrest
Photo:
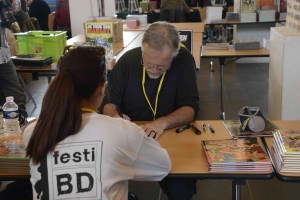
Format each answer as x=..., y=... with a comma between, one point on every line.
x=35, y=23
x=51, y=18
x=27, y=25
x=172, y=15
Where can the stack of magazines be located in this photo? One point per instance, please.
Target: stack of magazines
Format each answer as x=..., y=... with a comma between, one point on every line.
x=12, y=152
x=216, y=45
x=286, y=144
x=236, y=155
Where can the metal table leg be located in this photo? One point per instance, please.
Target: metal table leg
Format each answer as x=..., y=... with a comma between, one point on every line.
x=211, y=66
x=222, y=65
x=236, y=188
x=27, y=90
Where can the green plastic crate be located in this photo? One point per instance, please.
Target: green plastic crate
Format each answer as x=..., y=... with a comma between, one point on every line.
x=44, y=43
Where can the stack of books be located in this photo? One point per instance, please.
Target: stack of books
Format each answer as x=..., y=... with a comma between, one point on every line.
x=216, y=45
x=12, y=152
x=282, y=7
x=231, y=16
x=246, y=44
x=286, y=145
x=236, y=155
x=248, y=11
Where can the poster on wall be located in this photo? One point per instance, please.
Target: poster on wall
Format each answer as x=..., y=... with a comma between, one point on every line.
x=186, y=39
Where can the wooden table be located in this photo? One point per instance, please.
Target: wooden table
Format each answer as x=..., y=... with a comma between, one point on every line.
x=291, y=124
x=230, y=53
x=49, y=70
x=186, y=154
x=189, y=160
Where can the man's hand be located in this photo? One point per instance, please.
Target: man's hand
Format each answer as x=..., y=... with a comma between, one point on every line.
x=154, y=129
x=179, y=117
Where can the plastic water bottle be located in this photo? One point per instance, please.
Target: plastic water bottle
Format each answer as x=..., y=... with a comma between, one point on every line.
x=1, y=121
x=11, y=117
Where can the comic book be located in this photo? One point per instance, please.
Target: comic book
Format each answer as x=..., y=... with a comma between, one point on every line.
x=104, y=33
x=11, y=146
x=236, y=155
x=12, y=153
x=286, y=146
x=248, y=6
x=100, y=34
x=288, y=141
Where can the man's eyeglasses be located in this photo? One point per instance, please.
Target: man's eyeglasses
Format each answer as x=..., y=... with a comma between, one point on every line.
x=158, y=67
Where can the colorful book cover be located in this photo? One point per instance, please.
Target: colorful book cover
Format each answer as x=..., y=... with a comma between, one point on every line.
x=186, y=39
x=246, y=150
x=11, y=146
x=248, y=6
x=100, y=33
x=288, y=141
x=267, y=3
x=283, y=6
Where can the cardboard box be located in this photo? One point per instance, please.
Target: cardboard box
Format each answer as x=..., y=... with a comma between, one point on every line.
x=104, y=33
x=109, y=28
x=132, y=23
x=246, y=44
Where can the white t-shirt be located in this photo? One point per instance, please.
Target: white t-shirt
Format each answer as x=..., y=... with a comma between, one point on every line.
x=97, y=162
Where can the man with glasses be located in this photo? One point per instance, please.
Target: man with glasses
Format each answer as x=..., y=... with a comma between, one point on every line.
x=156, y=83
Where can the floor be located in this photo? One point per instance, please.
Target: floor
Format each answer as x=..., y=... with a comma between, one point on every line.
x=245, y=84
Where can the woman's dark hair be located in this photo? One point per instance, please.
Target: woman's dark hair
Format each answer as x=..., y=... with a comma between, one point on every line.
x=81, y=71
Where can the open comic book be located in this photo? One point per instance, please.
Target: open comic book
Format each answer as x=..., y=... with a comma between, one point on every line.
x=233, y=127
x=236, y=155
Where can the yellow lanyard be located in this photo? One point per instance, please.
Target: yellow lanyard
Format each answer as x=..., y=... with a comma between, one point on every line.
x=88, y=110
x=158, y=91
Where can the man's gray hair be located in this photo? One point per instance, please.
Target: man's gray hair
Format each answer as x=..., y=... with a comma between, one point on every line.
x=161, y=33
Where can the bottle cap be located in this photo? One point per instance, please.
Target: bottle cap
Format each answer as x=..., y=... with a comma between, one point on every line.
x=9, y=98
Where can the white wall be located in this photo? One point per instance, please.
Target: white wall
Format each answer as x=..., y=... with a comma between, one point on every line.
x=83, y=10
x=110, y=8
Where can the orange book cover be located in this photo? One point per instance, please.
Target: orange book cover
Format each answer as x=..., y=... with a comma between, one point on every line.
x=239, y=151
x=100, y=33
x=11, y=146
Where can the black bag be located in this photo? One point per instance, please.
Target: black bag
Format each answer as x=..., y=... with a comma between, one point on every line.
x=251, y=119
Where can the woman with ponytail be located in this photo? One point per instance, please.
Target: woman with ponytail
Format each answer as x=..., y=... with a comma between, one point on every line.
x=76, y=153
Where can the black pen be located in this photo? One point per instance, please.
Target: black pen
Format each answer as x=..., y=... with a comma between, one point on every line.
x=203, y=127
x=196, y=130
x=184, y=127
x=212, y=130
